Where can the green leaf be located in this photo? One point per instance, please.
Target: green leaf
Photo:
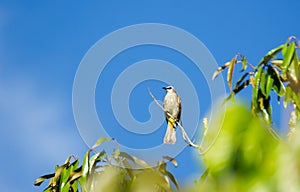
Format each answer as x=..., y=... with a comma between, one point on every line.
x=101, y=140
x=277, y=63
x=94, y=159
x=269, y=84
x=57, y=176
x=263, y=83
x=216, y=73
x=127, y=156
x=293, y=70
x=41, y=179
x=101, y=156
x=128, y=168
x=288, y=53
x=172, y=160
x=230, y=72
x=162, y=167
x=278, y=85
x=244, y=63
x=296, y=99
x=255, y=89
x=288, y=96
x=267, y=110
x=85, y=164
x=172, y=178
x=270, y=55
x=76, y=174
x=63, y=180
x=204, y=176
x=85, y=171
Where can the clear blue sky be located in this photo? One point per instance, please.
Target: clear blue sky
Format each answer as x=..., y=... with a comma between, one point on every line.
x=43, y=42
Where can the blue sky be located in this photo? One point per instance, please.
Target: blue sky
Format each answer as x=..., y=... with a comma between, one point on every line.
x=43, y=42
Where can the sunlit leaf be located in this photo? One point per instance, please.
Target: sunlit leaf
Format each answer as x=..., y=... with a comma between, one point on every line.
x=63, y=180
x=172, y=178
x=172, y=160
x=86, y=164
x=270, y=55
x=269, y=84
x=256, y=88
x=127, y=156
x=162, y=167
x=288, y=96
x=216, y=73
x=230, y=72
x=101, y=156
x=293, y=70
x=267, y=110
x=278, y=85
x=296, y=99
x=85, y=171
x=58, y=172
x=75, y=175
x=288, y=53
x=99, y=141
x=128, y=168
x=263, y=83
x=277, y=63
x=244, y=63
x=41, y=179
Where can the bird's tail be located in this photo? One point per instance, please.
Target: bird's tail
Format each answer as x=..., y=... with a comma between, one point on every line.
x=170, y=137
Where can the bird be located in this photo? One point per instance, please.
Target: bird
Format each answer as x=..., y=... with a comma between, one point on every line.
x=172, y=108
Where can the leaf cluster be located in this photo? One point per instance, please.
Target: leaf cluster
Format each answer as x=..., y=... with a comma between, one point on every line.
x=278, y=72
x=100, y=171
x=245, y=157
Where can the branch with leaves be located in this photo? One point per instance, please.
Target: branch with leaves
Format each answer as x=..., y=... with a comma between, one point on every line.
x=273, y=73
x=103, y=172
x=184, y=134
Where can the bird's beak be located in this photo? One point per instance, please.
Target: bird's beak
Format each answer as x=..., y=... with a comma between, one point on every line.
x=164, y=88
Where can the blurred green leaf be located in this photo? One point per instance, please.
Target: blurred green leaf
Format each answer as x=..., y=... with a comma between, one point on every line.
x=172, y=160
x=127, y=156
x=99, y=141
x=242, y=157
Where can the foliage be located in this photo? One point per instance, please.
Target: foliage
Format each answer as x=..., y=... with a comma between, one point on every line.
x=245, y=157
x=117, y=172
x=270, y=74
x=240, y=156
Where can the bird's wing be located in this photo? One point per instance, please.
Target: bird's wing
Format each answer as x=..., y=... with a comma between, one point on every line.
x=179, y=108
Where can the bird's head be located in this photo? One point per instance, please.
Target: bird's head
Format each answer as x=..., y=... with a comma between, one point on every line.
x=169, y=89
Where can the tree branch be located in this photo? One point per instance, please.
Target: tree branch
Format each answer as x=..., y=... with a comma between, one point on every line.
x=184, y=134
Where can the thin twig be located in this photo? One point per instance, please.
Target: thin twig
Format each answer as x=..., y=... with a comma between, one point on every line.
x=184, y=134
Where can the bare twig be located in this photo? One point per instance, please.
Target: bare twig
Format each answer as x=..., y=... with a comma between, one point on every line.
x=184, y=134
